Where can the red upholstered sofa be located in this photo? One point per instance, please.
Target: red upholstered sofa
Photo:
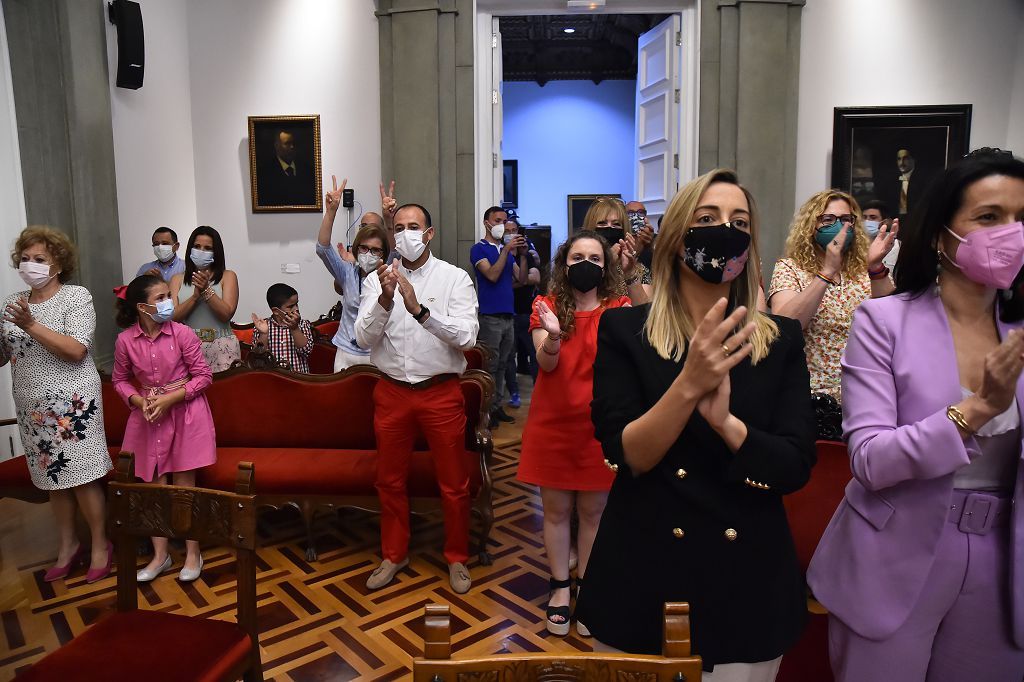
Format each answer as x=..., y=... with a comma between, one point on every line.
x=809, y=510
x=311, y=438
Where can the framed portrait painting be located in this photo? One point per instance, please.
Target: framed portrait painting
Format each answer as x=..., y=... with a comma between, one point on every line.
x=891, y=154
x=579, y=204
x=510, y=189
x=284, y=164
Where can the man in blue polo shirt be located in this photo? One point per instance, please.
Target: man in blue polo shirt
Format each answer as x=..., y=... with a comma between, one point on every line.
x=167, y=263
x=497, y=263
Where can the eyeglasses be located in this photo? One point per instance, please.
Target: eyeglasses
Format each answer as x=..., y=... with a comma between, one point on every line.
x=372, y=250
x=827, y=219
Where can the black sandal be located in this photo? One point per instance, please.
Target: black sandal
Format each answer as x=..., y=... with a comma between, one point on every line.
x=563, y=612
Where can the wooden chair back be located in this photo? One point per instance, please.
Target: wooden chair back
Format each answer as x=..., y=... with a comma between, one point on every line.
x=229, y=519
x=676, y=664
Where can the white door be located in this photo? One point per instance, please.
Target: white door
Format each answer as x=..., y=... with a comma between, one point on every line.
x=497, y=166
x=657, y=115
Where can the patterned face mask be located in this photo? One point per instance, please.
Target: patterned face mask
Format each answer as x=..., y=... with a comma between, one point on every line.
x=717, y=253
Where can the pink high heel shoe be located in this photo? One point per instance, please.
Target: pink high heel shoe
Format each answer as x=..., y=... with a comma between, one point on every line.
x=58, y=572
x=97, y=574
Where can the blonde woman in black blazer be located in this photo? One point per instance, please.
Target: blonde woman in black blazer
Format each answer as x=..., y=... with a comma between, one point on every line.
x=702, y=406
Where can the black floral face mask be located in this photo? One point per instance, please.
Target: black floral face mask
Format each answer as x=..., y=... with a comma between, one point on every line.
x=717, y=253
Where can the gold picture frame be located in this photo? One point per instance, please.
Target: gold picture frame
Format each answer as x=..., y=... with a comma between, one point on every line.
x=284, y=164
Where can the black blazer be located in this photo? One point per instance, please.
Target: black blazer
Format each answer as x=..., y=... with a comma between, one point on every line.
x=704, y=526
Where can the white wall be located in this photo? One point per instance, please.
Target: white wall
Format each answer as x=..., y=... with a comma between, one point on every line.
x=570, y=137
x=12, y=221
x=879, y=52
x=181, y=141
x=1015, y=129
x=155, y=168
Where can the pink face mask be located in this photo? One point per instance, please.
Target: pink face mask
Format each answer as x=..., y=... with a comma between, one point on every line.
x=991, y=256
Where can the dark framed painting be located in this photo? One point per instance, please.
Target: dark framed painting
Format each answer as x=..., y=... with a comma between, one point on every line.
x=284, y=164
x=891, y=154
x=510, y=193
x=579, y=204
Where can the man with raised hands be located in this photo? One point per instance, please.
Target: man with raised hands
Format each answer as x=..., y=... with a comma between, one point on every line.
x=418, y=342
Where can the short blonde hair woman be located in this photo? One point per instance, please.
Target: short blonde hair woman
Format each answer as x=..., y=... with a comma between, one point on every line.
x=830, y=267
x=607, y=217
x=700, y=405
x=46, y=335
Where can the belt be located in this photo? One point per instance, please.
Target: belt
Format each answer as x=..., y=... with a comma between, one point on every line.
x=208, y=334
x=504, y=316
x=154, y=391
x=426, y=383
x=977, y=513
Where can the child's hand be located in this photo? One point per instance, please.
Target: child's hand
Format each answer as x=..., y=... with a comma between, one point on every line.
x=137, y=401
x=260, y=325
x=156, y=407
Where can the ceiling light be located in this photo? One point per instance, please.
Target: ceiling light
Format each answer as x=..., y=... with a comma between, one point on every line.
x=568, y=30
x=584, y=5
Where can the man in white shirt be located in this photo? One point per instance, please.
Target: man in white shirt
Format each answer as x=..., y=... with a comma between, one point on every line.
x=418, y=342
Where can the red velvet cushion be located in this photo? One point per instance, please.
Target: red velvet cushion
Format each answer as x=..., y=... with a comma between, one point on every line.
x=321, y=359
x=270, y=410
x=115, y=413
x=811, y=508
x=146, y=645
x=327, y=330
x=14, y=473
x=474, y=358
x=300, y=471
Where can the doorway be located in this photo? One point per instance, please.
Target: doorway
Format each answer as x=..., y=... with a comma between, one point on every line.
x=610, y=96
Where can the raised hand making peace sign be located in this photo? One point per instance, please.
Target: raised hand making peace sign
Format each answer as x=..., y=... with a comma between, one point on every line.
x=388, y=203
x=333, y=198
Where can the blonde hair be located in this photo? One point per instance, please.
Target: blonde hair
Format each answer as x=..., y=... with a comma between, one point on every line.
x=669, y=326
x=803, y=250
x=602, y=206
x=61, y=249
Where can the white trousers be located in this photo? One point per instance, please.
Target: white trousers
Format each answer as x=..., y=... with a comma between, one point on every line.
x=344, y=360
x=763, y=671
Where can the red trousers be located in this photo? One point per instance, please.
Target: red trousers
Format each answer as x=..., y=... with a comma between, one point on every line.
x=401, y=413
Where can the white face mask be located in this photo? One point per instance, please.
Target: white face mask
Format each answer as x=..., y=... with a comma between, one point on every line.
x=36, y=275
x=163, y=252
x=497, y=231
x=409, y=244
x=367, y=262
x=201, y=259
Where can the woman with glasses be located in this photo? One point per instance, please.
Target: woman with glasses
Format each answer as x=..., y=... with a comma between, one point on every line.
x=369, y=249
x=830, y=268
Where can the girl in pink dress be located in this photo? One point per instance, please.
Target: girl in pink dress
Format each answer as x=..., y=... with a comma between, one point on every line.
x=160, y=372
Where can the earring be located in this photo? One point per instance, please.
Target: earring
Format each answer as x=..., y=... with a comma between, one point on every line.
x=938, y=271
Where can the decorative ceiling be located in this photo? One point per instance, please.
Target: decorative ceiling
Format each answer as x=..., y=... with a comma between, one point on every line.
x=596, y=47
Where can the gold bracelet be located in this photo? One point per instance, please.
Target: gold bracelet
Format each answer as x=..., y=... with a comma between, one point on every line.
x=957, y=417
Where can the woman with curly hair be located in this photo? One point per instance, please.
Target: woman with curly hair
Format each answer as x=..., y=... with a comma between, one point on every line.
x=559, y=451
x=830, y=268
x=607, y=217
x=47, y=335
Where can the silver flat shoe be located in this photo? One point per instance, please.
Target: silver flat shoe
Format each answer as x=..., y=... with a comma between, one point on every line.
x=188, y=575
x=145, y=576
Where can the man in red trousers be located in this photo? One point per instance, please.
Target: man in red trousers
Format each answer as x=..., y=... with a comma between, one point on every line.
x=417, y=341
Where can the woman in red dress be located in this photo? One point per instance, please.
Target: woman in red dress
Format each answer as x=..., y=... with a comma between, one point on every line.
x=559, y=451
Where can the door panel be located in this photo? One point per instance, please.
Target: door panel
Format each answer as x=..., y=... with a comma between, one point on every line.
x=657, y=115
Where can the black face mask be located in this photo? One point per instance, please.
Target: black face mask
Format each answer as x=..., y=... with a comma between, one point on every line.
x=611, y=234
x=718, y=253
x=585, y=275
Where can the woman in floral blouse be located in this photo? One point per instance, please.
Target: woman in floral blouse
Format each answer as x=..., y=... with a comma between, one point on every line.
x=46, y=335
x=830, y=267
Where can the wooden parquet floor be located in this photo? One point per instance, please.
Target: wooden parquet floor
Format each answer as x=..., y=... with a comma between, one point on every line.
x=318, y=621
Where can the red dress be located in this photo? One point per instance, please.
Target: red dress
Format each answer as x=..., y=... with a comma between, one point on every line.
x=559, y=449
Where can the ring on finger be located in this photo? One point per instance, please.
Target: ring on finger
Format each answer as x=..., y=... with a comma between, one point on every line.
x=727, y=350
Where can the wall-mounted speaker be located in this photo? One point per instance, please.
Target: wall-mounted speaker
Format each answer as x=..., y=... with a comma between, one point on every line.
x=131, y=43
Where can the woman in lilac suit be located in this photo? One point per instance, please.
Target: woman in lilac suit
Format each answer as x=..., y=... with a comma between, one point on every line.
x=922, y=566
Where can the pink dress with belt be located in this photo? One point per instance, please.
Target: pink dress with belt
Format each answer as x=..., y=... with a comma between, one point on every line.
x=184, y=438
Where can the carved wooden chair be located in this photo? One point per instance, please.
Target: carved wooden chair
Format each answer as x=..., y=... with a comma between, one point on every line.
x=676, y=664
x=156, y=646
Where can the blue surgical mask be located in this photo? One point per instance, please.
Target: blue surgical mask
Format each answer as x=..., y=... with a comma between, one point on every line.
x=871, y=227
x=164, y=311
x=826, y=234
x=201, y=259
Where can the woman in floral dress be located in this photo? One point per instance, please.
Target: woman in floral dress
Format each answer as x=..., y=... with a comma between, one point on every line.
x=46, y=335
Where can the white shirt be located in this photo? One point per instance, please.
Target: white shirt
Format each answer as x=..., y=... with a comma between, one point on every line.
x=409, y=351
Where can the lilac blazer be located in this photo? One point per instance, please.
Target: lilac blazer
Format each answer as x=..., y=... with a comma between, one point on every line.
x=899, y=376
